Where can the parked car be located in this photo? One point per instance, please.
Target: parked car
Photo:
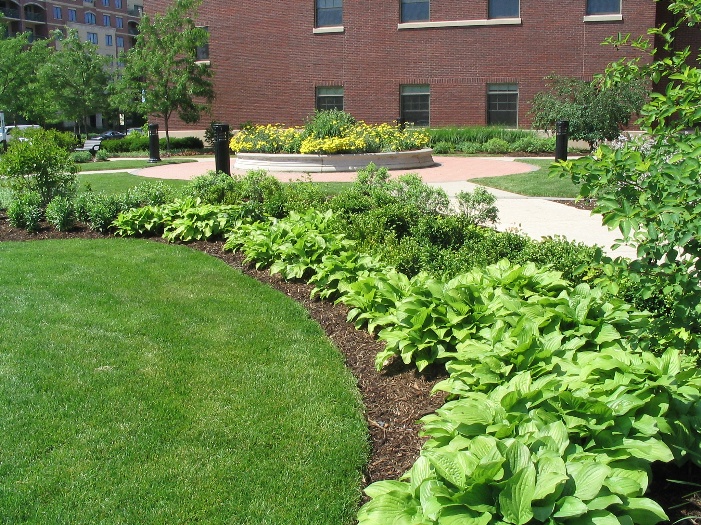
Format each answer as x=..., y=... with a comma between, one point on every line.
x=10, y=130
x=111, y=135
x=131, y=131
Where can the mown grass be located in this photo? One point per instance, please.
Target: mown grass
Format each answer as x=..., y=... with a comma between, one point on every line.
x=534, y=183
x=114, y=183
x=127, y=164
x=147, y=383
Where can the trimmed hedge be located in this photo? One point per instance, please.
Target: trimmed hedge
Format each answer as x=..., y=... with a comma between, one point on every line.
x=141, y=143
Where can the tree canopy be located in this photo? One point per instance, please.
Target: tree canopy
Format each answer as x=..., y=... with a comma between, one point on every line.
x=162, y=75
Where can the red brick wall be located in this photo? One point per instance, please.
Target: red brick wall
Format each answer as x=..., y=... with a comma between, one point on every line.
x=267, y=62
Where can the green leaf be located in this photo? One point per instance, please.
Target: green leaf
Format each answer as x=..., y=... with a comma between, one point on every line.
x=644, y=511
x=569, y=507
x=448, y=466
x=588, y=478
x=517, y=495
x=459, y=515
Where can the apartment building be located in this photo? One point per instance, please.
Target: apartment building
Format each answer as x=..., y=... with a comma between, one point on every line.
x=437, y=62
x=111, y=24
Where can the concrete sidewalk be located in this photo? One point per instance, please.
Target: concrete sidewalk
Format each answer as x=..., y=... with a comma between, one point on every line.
x=535, y=217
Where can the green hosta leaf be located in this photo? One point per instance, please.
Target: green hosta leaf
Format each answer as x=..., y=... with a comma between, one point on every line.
x=644, y=511
x=570, y=507
x=433, y=496
x=459, y=515
x=519, y=457
x=606, y=333
x=603, y=502
x=627, y=482
x=449, y=466
x=397, y=508
x=552, y=475
x=650, y=450
x=596, y=517
x=517, y=495
x=588, y=478
x=380, y=488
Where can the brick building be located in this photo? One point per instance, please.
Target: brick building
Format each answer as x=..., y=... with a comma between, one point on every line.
x=111, y=24
x=443, y=62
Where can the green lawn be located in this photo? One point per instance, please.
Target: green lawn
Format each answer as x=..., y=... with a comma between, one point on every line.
x=127, y=164
x=149, y=383
x=534, y=183
x=114, y=183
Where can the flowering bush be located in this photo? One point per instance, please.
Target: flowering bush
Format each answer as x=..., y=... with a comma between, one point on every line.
x=329, y=132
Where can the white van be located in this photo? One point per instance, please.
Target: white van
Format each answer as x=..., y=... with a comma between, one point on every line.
x=7, y=136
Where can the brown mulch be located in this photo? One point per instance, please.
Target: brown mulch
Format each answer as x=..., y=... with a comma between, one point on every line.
x=398, y=396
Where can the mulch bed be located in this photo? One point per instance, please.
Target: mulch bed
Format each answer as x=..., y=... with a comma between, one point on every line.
x=394, y=398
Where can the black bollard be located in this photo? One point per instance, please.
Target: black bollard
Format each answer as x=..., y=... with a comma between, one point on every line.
x=153, y=144
x=222, y=157
x=561, y=129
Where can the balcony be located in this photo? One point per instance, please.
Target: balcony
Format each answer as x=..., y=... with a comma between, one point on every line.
x=31, y=16
x=8, y=12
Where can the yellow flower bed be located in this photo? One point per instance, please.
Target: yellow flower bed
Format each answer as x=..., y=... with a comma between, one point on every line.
x=357, y=138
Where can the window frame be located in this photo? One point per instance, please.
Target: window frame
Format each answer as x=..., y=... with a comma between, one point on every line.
x=403, y=16
x=93, y=38
x=90, y=18
x=72, y=15
x=502, y=89
x=318, y=10
x=415, y=91
x=119, y=39
x=105, y=3
x=322, y=100
x=109, y=41
x=58, y=13
x=202, y=52
x=590, y=12
x=107, y=20
x=490, y=10
x=117, y=4
x=119, y=22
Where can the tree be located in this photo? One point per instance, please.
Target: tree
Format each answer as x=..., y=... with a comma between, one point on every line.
x=650, y=189
x=162, y=76
x=595, y=112
x=19, y=60
x=76, y=77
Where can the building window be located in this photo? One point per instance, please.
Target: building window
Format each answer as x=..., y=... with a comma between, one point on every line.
x=202, y=52
x=120, y=41
x=329, y=13
x=72, y=16
x=90, y=18
x=92, y=37
x=504, y=8
x=58, y=15
x=415, y=104
x=106, y=20
x=603, y=7
x=502, y=104
x=106, y=3
x=329, y=98
x=119, y=22
x=118, y=4
x=414, y=10
x=108, y=40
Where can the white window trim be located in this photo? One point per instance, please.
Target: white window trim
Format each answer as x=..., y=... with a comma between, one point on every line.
x=604, y=18
x=328, y=29
x=461, y=23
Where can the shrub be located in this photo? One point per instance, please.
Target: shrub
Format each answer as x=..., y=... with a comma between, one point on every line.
x=496, y=145
x=478, y=206
x=150, y=194
x=469, y=147
x=25, y=210
x=534, y=144
x=212, y=188
x=60, y=213
x=5, y=197
x=81, y=157
x=39, y=165
x=99, y=210
x=101, y=155
x=443, y=147
x=138, y=142
x=329, y=124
